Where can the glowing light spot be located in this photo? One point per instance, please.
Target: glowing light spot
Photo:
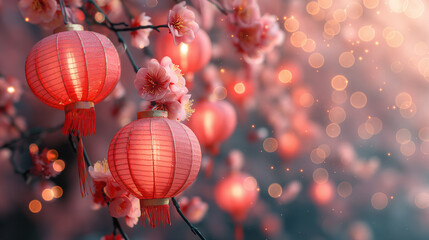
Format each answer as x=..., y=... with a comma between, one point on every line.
x=250, y=184
x=424, y=148
x=52, y=155
x=344, y=189
x=366, y=33
x=424, y=134
x=239, y=88
x=422, y=200
x=291, y=24
x=337, y=115
x=325, y=4
x=220, y=93
x=403, y=136
x=363, y=132
x=10, y=89
x=47, y=194
x=333, y=130
x=332, y=27
x=285, y=76
x=423, y=67
x=354, y=10
x=312, y=8
x=398, y=6
x=320, y=176
x=57, y=191
x=151, y=3
x=358, y=100
x=59, y=165
x=403, y=100
x=317, y=156
x=379, y=201
x=33, y=148
x=270, y=144
x=99, y=17
x=394, y=39
x=340, y=15
x=339, y=97
x=275, y=190
x=222, y=70
x=316, y=60
x=408, y=112
x=35, y=206
x=414, y=9
x=371, y=4
x=373, y=125
x=298, y=39
x=309, y=45
x=306, y=100
x=346, y=59
x=408, y=148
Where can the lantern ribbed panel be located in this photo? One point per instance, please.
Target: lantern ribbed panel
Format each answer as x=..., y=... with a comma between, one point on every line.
x=72, y=66
x=154, y=157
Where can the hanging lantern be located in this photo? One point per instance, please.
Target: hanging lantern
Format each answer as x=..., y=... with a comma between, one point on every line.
x=289, y=145
x=190, y=57
x=72, y=70
x=154, y=158
x=236, y=194
x=212, y=123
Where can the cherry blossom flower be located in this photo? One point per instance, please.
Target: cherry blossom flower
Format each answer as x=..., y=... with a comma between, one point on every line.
x=271, y=34
x=194, y=209
x=140, y=38
x=100, y=171
x=38, y=11
x=112, y=189
x=152, y=82
x=182, y=25
x=243, y=11
x=133, y=215
x=248, y=38
x=177, y=81
x=119, y=207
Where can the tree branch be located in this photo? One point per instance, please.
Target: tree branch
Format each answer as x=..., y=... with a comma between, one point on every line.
x=193, y=229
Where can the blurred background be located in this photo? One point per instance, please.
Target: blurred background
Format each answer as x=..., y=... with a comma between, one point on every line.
x=331, y=133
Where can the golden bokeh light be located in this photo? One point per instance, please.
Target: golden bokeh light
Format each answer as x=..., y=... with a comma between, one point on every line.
x=151, y=3
x=373, y=125
x=408, y=148
x=59, y=165
x=298, y=39
x=320, y=176
x=316, y=60
x=333, y=130
x=291, y=24
x=337, y=115
x=366, y=33
x=47, y=194
x=35, y=206
x=379, y=201
x=33, y=148
x=239, y=88
x=363, y=133
x=339, y=82
x=408, y=112
x=285, y=76
x=220, y=93
x=414, y=9
x=332, y=27
x=250, y=183
x=371, y=4
x=312, y=7
x=325, y=4
x=340, y=15
x=275, y=190
x=57, y=191
x=270, y=144
x=316, y=157
x=424, y=148
x=424, y=134
x=358, y=100
x=346, y=59
x=394, y=39
x=309, y=45
x=403, y=100
x=52, y=155
x=354, y=10
x=423, y=67
x=344, y=189
x=403, y=136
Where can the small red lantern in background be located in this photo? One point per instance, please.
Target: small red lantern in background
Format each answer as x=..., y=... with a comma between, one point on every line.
x=240, y=91
x=72, y=70
x=190, y=57
x=212, y=123
x=322, y=193
x=236, y=194
x=154, y=158
x=289, y=145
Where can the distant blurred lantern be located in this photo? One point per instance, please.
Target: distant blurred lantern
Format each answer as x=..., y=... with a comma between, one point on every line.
x=72, y=70
x=322, y=193
x=236, y=194
x=190, y=57
x=289, y=145
x=240, y=91
x=213, y=122
x=154, y=158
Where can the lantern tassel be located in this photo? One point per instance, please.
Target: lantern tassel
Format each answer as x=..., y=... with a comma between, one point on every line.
x=238, y=232
x=156, y=211
x=83, y=176
x=80, y=119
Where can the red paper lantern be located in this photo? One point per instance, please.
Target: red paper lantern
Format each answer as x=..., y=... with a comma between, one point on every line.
x=212, y=123
x=289, y=145
x=236, y=193
x=72, y=70
x=154, y=158
x=190, y=57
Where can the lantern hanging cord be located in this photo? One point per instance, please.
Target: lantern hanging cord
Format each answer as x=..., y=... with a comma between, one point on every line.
x=64, y=12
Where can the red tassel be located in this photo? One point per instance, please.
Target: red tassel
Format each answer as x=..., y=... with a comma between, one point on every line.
x=156, y=211
x=83, y=176
x=238, y=232
x=80, y=119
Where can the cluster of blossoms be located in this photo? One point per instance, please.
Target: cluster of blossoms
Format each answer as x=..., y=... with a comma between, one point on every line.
x=253, y=35
x=107, y=191
x=194, y=209
x=43, y=164
x=162, y=84
x=181, y=23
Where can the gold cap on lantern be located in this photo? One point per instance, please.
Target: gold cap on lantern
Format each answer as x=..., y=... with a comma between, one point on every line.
x=152, y=113
x=69, y=27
